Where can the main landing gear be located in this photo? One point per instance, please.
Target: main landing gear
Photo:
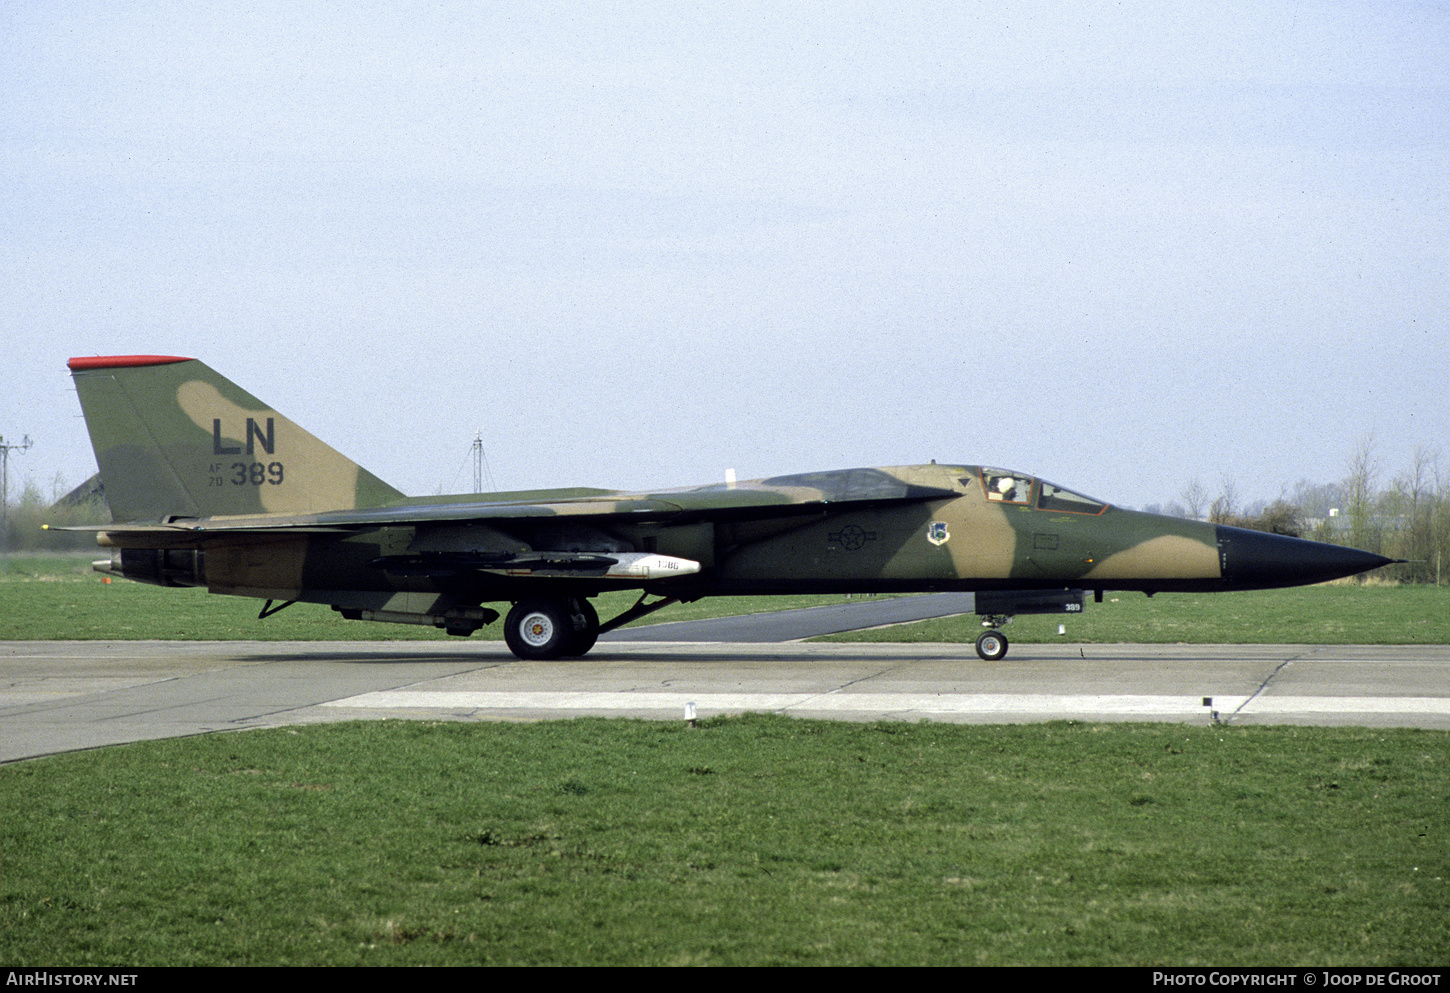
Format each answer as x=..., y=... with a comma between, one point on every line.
x=566, y=629
x=551, y=629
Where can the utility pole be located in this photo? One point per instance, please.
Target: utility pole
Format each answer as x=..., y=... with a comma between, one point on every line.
x=5, y=451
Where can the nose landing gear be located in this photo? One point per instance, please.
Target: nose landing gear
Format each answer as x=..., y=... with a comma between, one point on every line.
x=992, y=645
x=998, y=607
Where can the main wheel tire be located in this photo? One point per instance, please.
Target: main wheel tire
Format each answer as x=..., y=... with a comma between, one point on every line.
x=991, y=645
x=582, y=639
x=538, y=629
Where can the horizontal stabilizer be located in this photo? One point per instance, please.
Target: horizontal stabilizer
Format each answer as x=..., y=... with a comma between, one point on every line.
x=152, y=535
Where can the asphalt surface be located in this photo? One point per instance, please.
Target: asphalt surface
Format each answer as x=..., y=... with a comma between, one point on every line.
x=64, y=696
x=808, y=622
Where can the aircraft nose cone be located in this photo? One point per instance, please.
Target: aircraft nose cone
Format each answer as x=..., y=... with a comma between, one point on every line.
x=1259, y=560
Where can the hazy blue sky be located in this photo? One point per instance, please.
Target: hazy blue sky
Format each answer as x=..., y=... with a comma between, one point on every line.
x=1117, y=244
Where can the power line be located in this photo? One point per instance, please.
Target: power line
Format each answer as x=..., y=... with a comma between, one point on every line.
x=5, y=451
x=480, y=466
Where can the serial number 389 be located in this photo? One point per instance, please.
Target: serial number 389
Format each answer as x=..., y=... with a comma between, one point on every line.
x=246, y=474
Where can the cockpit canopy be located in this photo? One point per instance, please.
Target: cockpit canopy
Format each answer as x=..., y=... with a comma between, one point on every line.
x=1006, y=486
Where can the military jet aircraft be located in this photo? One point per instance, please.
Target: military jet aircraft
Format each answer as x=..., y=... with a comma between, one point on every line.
x=208, y=486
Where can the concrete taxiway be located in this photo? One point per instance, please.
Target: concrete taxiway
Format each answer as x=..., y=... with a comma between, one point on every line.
x=63, y=696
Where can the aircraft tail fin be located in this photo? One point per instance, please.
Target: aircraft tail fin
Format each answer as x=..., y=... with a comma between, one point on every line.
x=174, y=438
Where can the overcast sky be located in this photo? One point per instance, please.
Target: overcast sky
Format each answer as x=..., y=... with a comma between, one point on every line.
x=1120, y=245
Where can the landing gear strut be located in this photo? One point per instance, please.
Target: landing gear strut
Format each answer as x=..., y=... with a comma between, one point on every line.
x=551, y=629
x=586, y=628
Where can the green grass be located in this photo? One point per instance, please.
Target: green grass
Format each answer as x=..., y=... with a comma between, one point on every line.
x=748, y=841
x=45, y=598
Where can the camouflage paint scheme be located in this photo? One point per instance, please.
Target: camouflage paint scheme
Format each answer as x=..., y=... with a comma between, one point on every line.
x=211, y=487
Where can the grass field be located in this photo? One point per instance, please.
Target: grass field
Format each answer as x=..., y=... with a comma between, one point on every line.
x=61, y=598
x=748, y=841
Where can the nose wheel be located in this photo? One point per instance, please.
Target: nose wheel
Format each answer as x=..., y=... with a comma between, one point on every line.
x=991, y=645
